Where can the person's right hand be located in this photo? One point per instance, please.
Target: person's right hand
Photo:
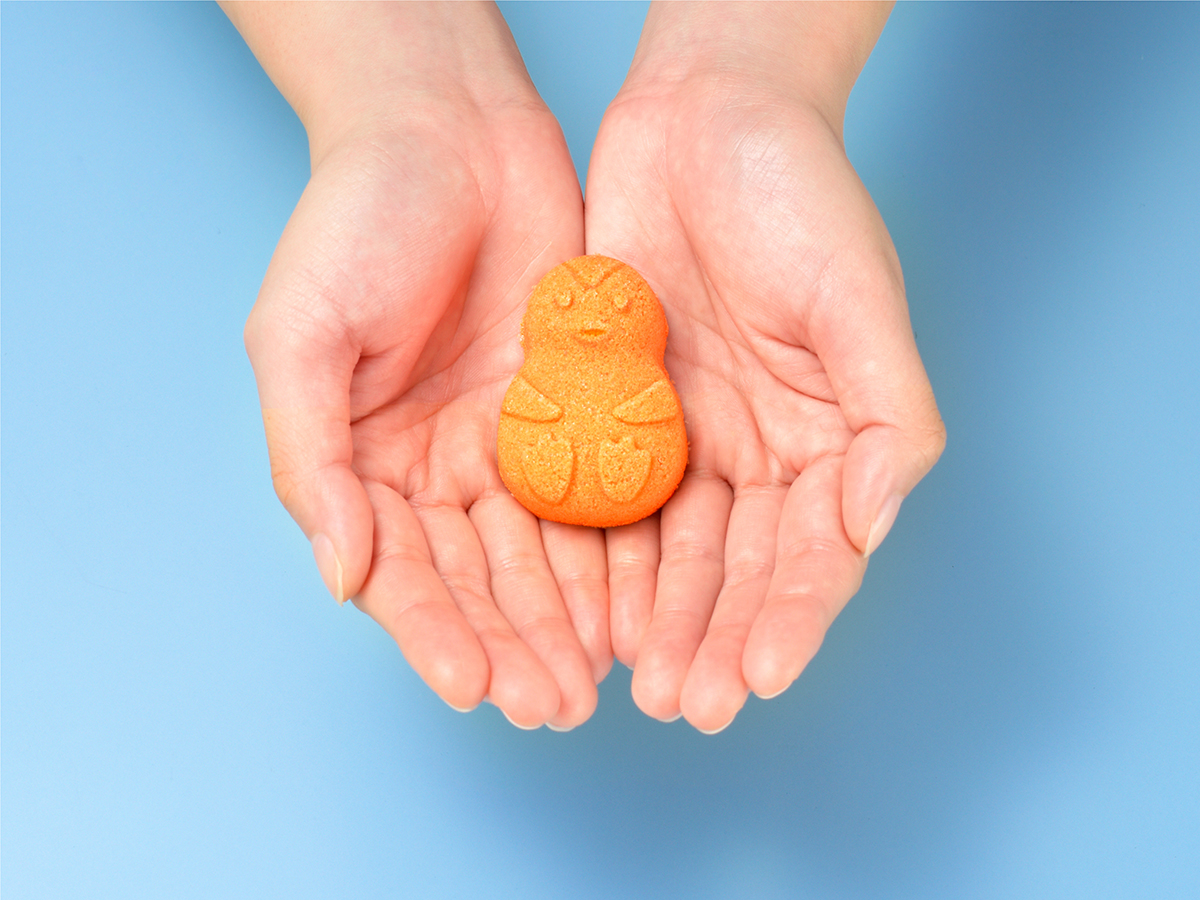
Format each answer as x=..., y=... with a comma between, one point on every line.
x=384, y=338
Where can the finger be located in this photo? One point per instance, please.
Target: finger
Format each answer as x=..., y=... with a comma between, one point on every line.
x=404, y=594
x=301, y=346
x=715, y=688
x=867, y=346
x=521, y=685
x=633, y=559
x=883, y=464
x=689, y=577
x=577, y=559
x=526, y=593
x=817, y=570
x=303, y=385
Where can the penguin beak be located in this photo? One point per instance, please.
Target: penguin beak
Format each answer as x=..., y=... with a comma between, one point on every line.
x=592, y=332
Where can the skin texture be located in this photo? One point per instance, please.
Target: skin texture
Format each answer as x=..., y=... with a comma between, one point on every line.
x=385, y=335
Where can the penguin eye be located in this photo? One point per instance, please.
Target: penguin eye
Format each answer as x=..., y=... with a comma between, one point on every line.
x=620, y=300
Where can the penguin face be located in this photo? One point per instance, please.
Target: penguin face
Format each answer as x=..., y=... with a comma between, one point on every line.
x=594, y=305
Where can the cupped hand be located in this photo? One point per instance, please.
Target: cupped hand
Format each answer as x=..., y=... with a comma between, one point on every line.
x=383, y=340
x=809, y=413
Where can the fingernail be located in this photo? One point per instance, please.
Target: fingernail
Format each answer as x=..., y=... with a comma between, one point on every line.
x=674, y=718
x=561, y=729
x=771, y=696
x=461, y=709
x=715, y=730
x=519, y=725
x=883, y=523
x=329, y=566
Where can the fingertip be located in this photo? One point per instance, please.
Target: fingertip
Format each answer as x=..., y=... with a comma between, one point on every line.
x=655, y=692
x=442, y=649
x=601, y=666
x=773, y=695
x=330, y=566
x=345, y=517
x=528, y=700
x=713, y=713
x=532, y=726
x=882, y=523
x=625, y=643
x=460, y=680
x=577, y=691
x=599, y=656
x=333, y=508
x=766, y=677
x=770, y=671
x=780, y=646
x=576, y=708
x=715, y=690
x=881, y=467
x=715, y=730
x=625, y=649
x=588, y=616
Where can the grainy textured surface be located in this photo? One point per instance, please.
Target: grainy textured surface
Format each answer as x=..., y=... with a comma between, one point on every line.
x=591, y=430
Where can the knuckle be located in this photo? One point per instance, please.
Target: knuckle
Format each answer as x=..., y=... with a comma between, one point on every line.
x=933, y=442
x=748, y=569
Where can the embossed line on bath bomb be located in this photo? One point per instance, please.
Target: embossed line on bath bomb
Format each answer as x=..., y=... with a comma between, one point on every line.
x=523, y=401
x=624, y=469
x=548, y=466
x=656, y=403
x=585, y=267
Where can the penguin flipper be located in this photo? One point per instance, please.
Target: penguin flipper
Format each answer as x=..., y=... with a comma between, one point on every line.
x=524, y=401
x=656, y=403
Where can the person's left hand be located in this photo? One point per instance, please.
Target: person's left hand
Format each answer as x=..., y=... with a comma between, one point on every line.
x=808, y=411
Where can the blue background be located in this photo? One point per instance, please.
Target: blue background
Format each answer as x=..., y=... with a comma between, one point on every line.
x=1009, y=708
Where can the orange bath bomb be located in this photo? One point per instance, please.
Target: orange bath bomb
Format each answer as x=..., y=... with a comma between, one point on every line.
x=591, y=430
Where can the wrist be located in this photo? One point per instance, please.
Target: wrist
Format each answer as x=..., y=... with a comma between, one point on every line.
x=809, y=53
x=351, y=70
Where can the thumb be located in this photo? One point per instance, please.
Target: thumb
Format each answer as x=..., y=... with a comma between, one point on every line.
x=888, y=402
x=303, y=365
x=883, y=464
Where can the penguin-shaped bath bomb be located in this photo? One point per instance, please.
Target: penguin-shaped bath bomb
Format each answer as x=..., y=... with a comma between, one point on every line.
x=591, y=430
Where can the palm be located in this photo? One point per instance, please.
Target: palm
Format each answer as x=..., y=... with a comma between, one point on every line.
x=419, y=289
x=753, y=227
